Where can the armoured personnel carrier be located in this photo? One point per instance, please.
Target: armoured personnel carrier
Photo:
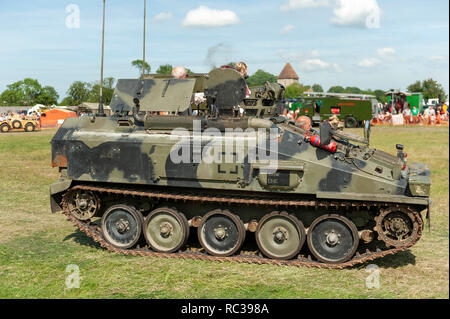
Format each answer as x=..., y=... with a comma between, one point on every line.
x=19, y=124
x=175, y=172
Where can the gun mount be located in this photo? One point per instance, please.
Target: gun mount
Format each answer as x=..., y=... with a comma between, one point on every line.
x=220, y=90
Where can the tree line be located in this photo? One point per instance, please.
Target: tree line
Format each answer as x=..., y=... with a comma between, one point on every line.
x=30, y=92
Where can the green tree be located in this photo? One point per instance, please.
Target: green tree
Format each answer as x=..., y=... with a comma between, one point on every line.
x=13, y=95
x=67, y=101
x=260, y=77
x=336, y=89
x=380, y=96
x=138, y=65
x=415, y=87
x=352, y=90
x=164, y=69
x=108, y=91
x=430, y=89
x=294, y=91
x=48, y=96
x=27, y=93
x=79, y=92
x=317, y=88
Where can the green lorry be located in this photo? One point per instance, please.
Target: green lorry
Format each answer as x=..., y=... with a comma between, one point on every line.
x=352, y=109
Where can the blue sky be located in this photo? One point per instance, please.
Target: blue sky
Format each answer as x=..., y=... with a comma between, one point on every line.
x=377, y=44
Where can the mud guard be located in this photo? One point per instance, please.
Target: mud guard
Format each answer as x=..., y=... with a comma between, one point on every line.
x=428, y=216
x=56, y=190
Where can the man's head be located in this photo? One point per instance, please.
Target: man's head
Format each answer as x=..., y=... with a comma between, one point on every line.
x=334, y=121
x=179, y=72
x=241, y=67
x=304, y=122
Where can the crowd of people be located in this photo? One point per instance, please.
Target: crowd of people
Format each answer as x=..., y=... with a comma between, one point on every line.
x=412, y=115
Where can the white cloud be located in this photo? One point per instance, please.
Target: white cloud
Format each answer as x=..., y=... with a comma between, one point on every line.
x=287, y=29
x=163, y=16
x=368, y=63
x=303, y=4
x=336, y=68
x=298, y=56
x=206, y=17
x=310, y=61
x=314, y=53
x=386, y=53
x=438, y=58
x=310, y=65
x=360, y=13
x=314, y=65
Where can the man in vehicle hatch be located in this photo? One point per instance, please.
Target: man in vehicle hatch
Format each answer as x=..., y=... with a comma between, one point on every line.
x=242, y=68
x=179, y=72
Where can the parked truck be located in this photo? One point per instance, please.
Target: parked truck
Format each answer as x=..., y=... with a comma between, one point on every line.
x=352, y=109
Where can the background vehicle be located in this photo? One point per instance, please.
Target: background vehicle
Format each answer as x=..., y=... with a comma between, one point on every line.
x=352, y=109
x=19, y=124
x=432, y=102
x=414, y=99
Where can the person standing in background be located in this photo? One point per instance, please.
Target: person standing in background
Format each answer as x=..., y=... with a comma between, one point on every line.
x=415, y=113
x=407, y=115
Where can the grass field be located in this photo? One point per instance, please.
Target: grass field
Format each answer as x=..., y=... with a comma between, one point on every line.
x=37, y=246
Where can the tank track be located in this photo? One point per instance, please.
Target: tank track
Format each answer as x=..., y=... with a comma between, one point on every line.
x=250, y=257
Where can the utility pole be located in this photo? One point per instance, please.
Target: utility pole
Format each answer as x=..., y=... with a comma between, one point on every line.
x=143, y=48
x=101, y=111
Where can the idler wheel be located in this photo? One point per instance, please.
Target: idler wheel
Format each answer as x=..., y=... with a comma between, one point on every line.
x=332, y=238
x=83, y=205
x=122, y=226
x=166, y=230
x=280, y=236
x=221, y=233
x=396, y=226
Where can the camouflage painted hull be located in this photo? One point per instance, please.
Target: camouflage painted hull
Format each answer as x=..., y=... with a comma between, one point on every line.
x=113, y=154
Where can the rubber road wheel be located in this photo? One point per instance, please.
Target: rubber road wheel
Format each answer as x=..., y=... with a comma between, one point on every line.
x=166, y=230
x=332, y=238
x=29, y=127
x=280, y=236
x=122, y=226
x=16, y=124
x=221, y=233
x=4, y=128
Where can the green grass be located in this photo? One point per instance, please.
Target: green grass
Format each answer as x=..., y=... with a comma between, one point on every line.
x=37, y=246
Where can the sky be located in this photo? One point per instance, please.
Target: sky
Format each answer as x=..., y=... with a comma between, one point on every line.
x=370, y=44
